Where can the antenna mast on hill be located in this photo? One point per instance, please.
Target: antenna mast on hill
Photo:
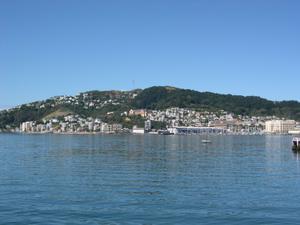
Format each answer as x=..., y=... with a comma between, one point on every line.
x=133, y=84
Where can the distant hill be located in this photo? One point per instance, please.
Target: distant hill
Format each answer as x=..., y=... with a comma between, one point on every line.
x=113, y=103
x=164, y=97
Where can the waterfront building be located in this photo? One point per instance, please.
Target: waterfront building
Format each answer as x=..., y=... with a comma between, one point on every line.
x=147, y=125
x=90, y=126
x=63, y=127
x=40, y=128
x=26, y=126
x=280, y=126
x=196, y=130
x=296, y=130
x=137, y=130
x=117, y=127
x=105, y=128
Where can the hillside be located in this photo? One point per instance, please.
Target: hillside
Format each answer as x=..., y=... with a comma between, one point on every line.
x=163, y=97
x=109, y=105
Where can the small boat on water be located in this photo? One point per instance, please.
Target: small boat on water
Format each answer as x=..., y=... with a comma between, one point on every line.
x=206, y=141
x=296, y=144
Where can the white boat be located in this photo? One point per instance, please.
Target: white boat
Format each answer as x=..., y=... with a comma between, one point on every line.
x=206, y=141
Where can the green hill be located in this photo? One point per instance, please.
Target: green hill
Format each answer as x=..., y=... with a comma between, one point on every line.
x=108, y=105
x=164, y=97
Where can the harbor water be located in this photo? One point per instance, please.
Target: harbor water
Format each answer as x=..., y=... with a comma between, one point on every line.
x=148, y=179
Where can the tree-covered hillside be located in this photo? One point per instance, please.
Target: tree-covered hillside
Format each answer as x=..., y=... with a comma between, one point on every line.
x=164, y=97
x=109, y=105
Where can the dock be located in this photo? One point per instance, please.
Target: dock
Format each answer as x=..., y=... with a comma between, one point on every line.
x=296, y=144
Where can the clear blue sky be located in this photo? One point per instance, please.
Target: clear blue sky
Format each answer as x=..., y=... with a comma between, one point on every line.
x=58, y=47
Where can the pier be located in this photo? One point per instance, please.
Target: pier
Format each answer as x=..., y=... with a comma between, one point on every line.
x=296, y=144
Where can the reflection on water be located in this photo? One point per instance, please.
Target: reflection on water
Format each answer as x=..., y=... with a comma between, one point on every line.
x=148, y=179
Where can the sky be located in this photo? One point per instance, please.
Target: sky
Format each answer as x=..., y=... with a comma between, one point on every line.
x=63, y=47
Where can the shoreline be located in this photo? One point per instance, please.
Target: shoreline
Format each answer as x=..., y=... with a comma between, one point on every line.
x=126, y=133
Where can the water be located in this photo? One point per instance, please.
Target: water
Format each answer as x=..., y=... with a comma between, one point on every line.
x=65, y=179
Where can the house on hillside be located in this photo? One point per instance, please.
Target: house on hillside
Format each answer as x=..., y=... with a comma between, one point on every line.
x=138, y=112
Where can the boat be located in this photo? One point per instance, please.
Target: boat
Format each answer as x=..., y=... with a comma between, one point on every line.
x=206, y=141
x=164, y=132
x=296, y=144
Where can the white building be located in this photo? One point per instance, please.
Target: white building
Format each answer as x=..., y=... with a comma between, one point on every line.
x=280, y=126
x=196, y=130
x=137, y=130
x=90, y=125
x=105, y=128
x=26, y=126
x=117, y=127
x=147, y=125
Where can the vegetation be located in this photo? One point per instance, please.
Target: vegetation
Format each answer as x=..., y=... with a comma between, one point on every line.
x=24, y=113
x=61, y=112
x=162, y=97
x=114, y=103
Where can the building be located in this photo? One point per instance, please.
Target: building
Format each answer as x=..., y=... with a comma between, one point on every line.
x=105, y=128
x=147, y=125
x=196, y=130
x=116, y=127
x=111, y=128
x=90, y=126
x=137, y=130
x=138, y=112
x=26, y=126
x=296, y=130
x=280, y=126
